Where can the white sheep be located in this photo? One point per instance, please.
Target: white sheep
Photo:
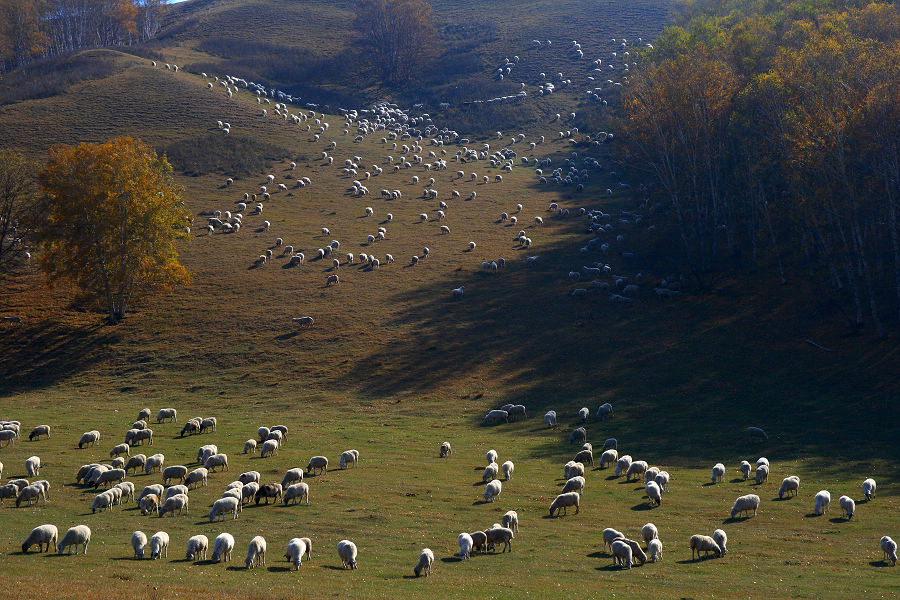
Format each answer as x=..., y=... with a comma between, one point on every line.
x=296, y=493
x=248, y=477
x=823, y=499
x=574, y=484
x=491, y=456
x=317, y=464
x=563, y=501
x=89, y=438
x=789, y=484
x=762, y=473
x=889, y=547
x=550, y=418
x=662, y=480
x=610, y=535
x=623, y=464
x=718, y=473
x=721, y=539
x=745, y=504
x=348, y=458
x=292, y=476
x=492, y=490
x=33, y=466
x=80, y=534
x=499, y=535
x=177, y=502
x=649, y=532
x=654, y=548
x=621, y=553
x=510, y=520
x=744, y=469
x=222, y=547
x=159, y=545
x=608, y=457
x=705, y=544
x=217, y=460
x=347, y=551
x=222, y=506
x=868, y=488
x=636, y=469
x=197, y=546
x=508, y=467
x=102, y=501
x=490, y=472
x=446, y=450
x=256, y=552
x=848, y=506
x=426, y=559
x=465, y=545
x=40, y=535
x=296, y=548
x=654, y=494
x=269, y=448
x=139, y=542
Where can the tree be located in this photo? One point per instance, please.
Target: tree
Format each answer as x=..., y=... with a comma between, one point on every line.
x=111, y=218
x=18, y=191
x=399, y=36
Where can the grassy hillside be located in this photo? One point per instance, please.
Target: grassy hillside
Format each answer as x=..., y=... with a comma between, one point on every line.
x=394, y=366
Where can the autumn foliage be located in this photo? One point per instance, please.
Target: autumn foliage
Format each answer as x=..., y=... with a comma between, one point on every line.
x=111, y=217
x=772, y=133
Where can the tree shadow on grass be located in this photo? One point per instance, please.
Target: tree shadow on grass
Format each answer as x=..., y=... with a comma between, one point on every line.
x=41, y=354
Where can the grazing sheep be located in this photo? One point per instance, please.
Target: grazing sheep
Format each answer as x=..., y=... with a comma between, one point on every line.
x=479, y=541
x=492, y=490
x=222, y=547
x=222, y=506
x=269, y=448
x=744, y=468
x=33, y=466
x=347, y=551
x=144, y=414
x=139, y=542
x=762, y=474
x=563, y=501
x=120, y=449
x=256, y=552
x=705, y=544
x=89, y=438
x=248, y=492
x=332, y=279
x=157, y=488
x=208, y=423
x=610, y=444
x=349, y=457
x=745, y=504
x=446, y=450
x=573, y=469
x=117, y=463
x=296, y=548
x=610, y=535
x=574, y=484
x=511, y=520
x=621, y=553
x=9, y=436
x=499, y=535
x=848, y=506
x=297, y=493
x=762, y=461
x=578, y=436
x=426, y=559
x=248, y=477
x=637, y=469
x=550, y=418
x=608, y=457
x=491, y=456
x=654, y=493
x=756, y=432
x=167, y=414
x=603, y=411
x=490, y=472
x=662, y=480
x=196, y=547
x=40, y=535
x=177, y=502
x=197, y=477
x=654, y=547
x=623, y=464
x=649, y=532
x=823, y=499
x=583, y=414
x=127, y=490
x=38, y=431
x=80, y=534
x=718, y=473
x=721, y=539
x=135, y=462
x=292, y=476
x=109, y=476
x=216, y=460
x=159, y=545
x=141, y=435
x=270, y=490
x=466, y=543
x=149, y=504
x=174, y=472
x=263, y=433
x=889, y=547
x=495, y=416
x=789, y=484
x=868, y=488
x=636, y=553
x=317, y=464
x=102, y=501
x=585, y=456
x=508, y=467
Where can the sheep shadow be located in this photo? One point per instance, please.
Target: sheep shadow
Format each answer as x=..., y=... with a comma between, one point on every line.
x=839, y=520
x=612, y=477
x=233, y=568
x=333, y=568
x=812, y=515
x=736, y=480
x=785, y=499
x=480, y=502
x=279, y=569
x=642, y=506
x=708, y=484
x=599, y=554
x=479, y=483
x=452, y=559
x=410, y=577
x=287, y=336
x=611, y=568
x=736, y=520
x=880, y=563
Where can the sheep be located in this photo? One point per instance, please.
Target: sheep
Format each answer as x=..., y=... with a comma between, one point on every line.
x=33, y=466
x=745, y=504
x=662, y=480
x=38, y=431
x=349, y=457
x=471, y=245
x=744, y=469
x=296, y=548
x=654, y=547
x=296, y=492
x=177, y=502
x=573, y=469
x=218, y=460
x=490, y=472
x=139, y=542
x=120, y=449
x=270, y=490
x=603, y=411
x=263, y=433
x=848, y=506
x=789, y=484
x=705, y=544
x=222, y=547
x=140, y=435
x=248, y=492
x=654, y=493
x=621, y=553
x=721, y=539
x=40, y=535
x=149, y=504
x=563, y=501
x=465, y=545
x=159, y=545
x=89, y=438
x=317, y=464
x=636, y=553
x=491, y=456
x=135, y=462
x=80, y=534
x=583, y=414
x=608, y=457
x=585, y=456
x=196, y=547
x=889, y=547
x=762, y=474
x=550, y=418
x=493, y=416
x=718, y=473
x=167, y=414
x=197, y=477
x=426, y=559
x=574, y=484
x=610, y=444
x=208, y=423
x=868, y=488
x=637, y=468
x=578, y=435
x=222, y=506
x=292, y=476
x=508, y=467
x=623, y=464
x=446, y=450
x=499, y=535
x=102, y=501
x=762, y=461
x=511, y=520
x=144, y=414
x=174, y=472
x=492, y=490
x=248, y=477
x=331, y=279
x=649, y=532
x=610, y=535
x=109, y=476
x=347, y=551
x=127, y=490
x=756, y=432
